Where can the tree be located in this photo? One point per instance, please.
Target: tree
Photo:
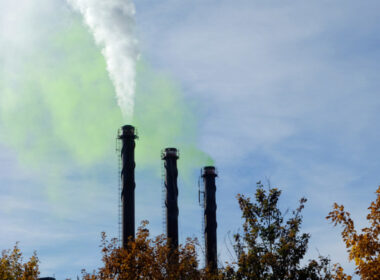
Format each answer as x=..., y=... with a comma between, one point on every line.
x=12, y=266
x=364, y=247
x=146, y=258
x=270, y=247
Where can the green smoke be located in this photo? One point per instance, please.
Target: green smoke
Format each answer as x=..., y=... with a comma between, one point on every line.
x=164, y=118
x=62, y=103
x=59, y=114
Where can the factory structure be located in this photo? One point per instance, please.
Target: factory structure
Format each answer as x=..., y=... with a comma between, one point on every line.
x=127, y=136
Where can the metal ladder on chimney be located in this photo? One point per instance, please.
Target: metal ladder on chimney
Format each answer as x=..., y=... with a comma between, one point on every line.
x=163, y=196
x=201, y=201
x=119, y=205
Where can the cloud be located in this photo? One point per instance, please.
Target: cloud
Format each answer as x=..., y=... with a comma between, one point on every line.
x=291, y=92
x=286, y=91
x=269, y=67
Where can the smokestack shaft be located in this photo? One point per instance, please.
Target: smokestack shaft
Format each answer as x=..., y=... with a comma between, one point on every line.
x=170, y=156
x=128, y=137
x=209, y=175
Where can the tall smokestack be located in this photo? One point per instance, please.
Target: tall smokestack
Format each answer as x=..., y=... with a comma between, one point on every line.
x=209, y=174
x=128, y=137
x=170, y=156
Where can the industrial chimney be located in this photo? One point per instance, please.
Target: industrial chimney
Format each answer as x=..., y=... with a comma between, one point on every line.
x=170, y=156
x=128, y=136
x=208, y=175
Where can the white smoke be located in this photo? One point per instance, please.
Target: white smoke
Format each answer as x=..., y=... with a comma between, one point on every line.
x=112, y=23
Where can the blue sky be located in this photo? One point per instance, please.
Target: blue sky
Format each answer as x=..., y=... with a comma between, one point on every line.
x=285, y=91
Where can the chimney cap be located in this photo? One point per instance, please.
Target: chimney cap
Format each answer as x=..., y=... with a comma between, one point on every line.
x=169, y=153
x=209, y=171
x=128, y=131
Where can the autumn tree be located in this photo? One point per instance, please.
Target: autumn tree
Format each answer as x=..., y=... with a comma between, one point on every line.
x=272, y=247
x=364, y=247
x=146, y=258
x=12, y=266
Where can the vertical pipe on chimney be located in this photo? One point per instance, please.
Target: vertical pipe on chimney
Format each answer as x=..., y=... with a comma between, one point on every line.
x=209, y=174
x=128, y=137
x=170, y=156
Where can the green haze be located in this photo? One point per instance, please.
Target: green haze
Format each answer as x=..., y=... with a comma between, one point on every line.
x=164, y=118
x=59, y=115
x=61, y=102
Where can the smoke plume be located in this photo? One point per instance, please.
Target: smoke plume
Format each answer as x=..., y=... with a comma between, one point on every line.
x=112, y=24
x=56, y=102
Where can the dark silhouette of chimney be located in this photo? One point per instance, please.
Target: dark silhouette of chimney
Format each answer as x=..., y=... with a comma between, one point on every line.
x=170, y=156
x=208, y=175
x=128, y=137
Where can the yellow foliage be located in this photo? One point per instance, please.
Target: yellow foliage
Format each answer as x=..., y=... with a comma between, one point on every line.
x=147, y=258
x=364, y=247
x=13, y=268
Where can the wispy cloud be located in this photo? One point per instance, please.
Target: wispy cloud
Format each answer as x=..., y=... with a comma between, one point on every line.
x=291, y=92
x=287, y=91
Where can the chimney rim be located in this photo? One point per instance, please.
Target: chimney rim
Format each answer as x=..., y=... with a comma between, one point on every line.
x=170, y=152
x=209, y=171
x=128, y=131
